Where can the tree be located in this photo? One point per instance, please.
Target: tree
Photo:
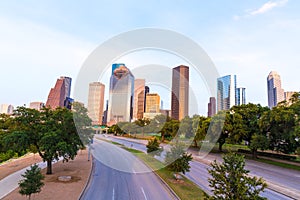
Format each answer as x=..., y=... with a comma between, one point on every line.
x=258, y=142
x=52, y=132
x=280, y=124
x=231, y=181
x=153, y=147
x=32, y=182
x=177, y=159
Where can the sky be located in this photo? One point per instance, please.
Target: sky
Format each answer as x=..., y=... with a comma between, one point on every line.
x=43, y=40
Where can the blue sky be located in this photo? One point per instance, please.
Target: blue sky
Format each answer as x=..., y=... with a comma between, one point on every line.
x=40, y=41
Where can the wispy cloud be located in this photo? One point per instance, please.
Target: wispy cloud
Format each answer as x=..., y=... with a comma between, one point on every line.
x=270, y=5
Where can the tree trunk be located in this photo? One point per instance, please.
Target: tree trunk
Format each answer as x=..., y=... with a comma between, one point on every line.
x=162, y=137
x=49, y=166
x=220, y=146
x=254, y=153
x=196, y=145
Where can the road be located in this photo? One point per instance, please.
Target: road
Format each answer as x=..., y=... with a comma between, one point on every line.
x=199, y=175
x=117, y=174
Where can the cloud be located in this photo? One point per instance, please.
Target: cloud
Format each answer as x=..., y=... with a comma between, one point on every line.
x=268, y=7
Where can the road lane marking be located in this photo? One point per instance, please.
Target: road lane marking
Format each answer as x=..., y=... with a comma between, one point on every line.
x=113, y=194
x=144, y=193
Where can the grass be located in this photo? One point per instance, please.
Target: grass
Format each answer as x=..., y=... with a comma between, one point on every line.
x=185, y=189
x=272, y=162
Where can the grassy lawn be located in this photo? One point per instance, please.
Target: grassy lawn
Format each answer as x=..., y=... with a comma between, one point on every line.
x=185, y=189
x=271, y=162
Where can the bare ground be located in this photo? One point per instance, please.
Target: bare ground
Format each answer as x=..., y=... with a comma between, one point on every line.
x=79, y=169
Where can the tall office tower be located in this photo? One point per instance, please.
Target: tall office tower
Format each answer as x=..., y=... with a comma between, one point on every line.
x=275, y=92
x=240, y=96
x=211, y=107
x=104, y=120
x=59, y=96
x=152, y=105
x=6, y=109
x=288, y=95
x=226, y=92
x=96, y=102
x=36, y=105
x=115, y=66
x=180, y=92
x=121, y=91
x=147, y=90
x=139, y=99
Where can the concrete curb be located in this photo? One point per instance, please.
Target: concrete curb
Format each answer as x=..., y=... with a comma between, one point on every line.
x=88, y=180
x=163, y=182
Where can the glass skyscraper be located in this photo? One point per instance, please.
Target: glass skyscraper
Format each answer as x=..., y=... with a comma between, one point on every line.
x=226, y=92
x=121, y=92
x=240, y=96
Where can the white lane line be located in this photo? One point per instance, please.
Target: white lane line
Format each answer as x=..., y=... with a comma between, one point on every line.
x=144, y=193
x=113, y=194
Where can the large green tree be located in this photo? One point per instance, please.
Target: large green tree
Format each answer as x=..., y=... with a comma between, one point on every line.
x=52, y=132
x=229, y=180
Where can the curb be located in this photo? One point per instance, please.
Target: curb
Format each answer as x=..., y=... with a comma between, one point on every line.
x=163, y=182
x=88, y=180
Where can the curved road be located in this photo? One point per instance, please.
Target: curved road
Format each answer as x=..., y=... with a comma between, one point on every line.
x=199, y=175
x=117, y=174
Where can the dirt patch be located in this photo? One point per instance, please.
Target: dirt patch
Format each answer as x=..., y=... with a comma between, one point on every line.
x=79, y=169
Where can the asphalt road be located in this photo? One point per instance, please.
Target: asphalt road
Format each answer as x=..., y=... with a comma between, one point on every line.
x=199, y=175
x=117, y=174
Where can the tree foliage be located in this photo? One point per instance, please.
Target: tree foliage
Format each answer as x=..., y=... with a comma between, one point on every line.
x=32, y=182
x=178, y=159
x=153, y=147
x=231, y=181
x=52, y=133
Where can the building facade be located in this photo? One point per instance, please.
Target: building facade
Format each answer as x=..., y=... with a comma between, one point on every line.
x=240, y=96
x=96, y=102
x=275, y=92
x=139, y=99
x=6, y=109
x=152, y=105
x=226, y=92
x=288, y=95
x=180, y=92
x=36, y=105
x=121, y=93
x=211, y=107
x=59, y=96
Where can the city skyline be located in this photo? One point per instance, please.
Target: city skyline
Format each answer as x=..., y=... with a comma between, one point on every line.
x=245, y=39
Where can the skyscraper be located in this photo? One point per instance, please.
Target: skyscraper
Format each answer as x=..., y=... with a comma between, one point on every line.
x=240, y=96
x=211, y=107
x=180, y=92
x=139, y=99
x=96, y=102
x=121, y=91
x=152, y=105
x=226, y=92
x=275, y=92
x=60, y=94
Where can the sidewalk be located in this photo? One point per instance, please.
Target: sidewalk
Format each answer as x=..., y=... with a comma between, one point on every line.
x=10, y=182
